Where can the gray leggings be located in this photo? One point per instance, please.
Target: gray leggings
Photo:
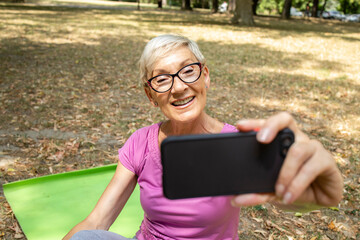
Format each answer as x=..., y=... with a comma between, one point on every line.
x=98, y=235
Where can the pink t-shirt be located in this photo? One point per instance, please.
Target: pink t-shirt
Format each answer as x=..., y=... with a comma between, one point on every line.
x=195, y=218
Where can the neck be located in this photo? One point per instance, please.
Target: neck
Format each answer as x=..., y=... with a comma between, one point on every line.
x=202, y=125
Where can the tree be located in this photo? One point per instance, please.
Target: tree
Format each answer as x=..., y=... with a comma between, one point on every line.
x=315, y=8
x=215, y=6
x=286, y=10
x=243, y=11
x=231, y=6
x=323, y=7
x=186, y=5
x=349, y=6
x=254, y=6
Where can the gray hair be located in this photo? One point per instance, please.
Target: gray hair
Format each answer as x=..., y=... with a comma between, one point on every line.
x=162, y=45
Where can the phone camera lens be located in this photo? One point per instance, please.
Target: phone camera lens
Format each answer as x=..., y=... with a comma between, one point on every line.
x=287, y=141
x=284, y=151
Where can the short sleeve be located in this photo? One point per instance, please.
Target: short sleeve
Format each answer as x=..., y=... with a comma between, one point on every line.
x=132, y=154
x=229, y=128
x=126, y=153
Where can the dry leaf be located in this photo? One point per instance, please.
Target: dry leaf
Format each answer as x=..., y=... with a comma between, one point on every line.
x=271, y=224
x=332, y=226
x=262, y=232
x=258, y=220
x=18, y=235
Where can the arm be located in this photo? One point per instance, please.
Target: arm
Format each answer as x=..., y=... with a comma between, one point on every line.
x=309, y=177
x=110, y=203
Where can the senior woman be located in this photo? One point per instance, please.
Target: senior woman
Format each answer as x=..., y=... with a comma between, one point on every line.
x=176, y=80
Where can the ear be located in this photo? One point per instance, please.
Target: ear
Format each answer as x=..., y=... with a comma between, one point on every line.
x=206, y=73
x=150, y=97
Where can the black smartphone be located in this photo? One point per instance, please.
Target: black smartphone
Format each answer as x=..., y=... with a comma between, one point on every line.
x=221, y=164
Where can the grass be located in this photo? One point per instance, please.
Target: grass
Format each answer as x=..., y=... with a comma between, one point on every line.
x=75, y=70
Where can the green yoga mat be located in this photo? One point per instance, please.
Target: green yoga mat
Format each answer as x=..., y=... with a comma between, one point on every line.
x=48, y=207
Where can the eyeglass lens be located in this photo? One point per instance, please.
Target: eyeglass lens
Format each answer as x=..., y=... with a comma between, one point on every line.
x=187, y=74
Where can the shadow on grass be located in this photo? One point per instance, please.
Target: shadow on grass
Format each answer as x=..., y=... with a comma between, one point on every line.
x=77, y=86
x=70, y=79
x=170, y=16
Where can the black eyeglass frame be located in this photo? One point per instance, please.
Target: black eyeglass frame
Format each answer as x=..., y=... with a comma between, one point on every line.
x=175, y=75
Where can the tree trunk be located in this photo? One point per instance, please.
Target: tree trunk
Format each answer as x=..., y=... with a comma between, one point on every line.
x=315, y=8
x=186, y=5
x=215, y=6
x=243, y=10
x=286, y=10
x=254, y=6
x=323, y=8
x=231, y=6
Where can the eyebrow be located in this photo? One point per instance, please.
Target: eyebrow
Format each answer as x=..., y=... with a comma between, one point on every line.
x=162, y=71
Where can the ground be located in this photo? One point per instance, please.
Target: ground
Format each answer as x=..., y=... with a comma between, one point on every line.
x=70, y=95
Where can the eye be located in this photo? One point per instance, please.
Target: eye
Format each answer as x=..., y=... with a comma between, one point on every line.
x=162, y=80
x=188, y=70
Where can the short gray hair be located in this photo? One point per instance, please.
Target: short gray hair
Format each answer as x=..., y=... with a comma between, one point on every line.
x=161, y=46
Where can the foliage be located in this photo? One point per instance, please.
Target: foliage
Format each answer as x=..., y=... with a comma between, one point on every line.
x=275, y=6
x=270, y=6
x=201, y=4
x=349, y=6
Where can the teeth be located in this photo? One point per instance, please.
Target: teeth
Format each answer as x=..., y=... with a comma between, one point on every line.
x=183, y=102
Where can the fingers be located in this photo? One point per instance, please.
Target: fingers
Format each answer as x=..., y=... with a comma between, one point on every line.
x=252, y=199
x=270, y=127
x=312, y=164
x=309, y=173
x=275, y=124
x=249, y=124
x=294, y=164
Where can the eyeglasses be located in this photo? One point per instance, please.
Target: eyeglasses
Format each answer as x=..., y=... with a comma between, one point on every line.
x=164, y=82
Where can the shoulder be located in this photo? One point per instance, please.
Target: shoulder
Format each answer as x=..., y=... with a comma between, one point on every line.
x=143, y=137
x=133, y=154
x=145, y=133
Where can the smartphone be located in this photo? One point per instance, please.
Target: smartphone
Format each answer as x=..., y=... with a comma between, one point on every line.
x=221, y=164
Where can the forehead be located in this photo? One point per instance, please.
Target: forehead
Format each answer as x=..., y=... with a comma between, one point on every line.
x=174, y=59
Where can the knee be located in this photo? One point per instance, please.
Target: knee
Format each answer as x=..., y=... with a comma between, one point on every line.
x=85, y=235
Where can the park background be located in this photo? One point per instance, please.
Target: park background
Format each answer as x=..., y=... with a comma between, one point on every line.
x=71, y=96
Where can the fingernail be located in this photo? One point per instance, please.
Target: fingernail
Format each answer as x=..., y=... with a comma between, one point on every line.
x=279, y=190
x=241, y=122
x=263, y=134
x=287, y=198
x=233, y=203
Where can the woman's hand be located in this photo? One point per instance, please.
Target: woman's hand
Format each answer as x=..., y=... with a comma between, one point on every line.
x=309, y=175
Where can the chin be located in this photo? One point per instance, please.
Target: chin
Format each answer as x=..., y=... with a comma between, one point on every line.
x=187, y=117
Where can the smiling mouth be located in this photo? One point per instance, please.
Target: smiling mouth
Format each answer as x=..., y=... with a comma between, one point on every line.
x=182, y=102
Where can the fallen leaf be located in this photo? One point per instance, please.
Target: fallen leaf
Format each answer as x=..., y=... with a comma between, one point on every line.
x=298, y=214
x=18, y=235
x=258, y=220
x=334, y=208
x=262, y=232
x=332, y=226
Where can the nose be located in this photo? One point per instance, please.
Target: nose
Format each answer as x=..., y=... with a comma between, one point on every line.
x=178, y=85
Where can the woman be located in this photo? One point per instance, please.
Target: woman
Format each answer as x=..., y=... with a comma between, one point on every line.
x=176, y=80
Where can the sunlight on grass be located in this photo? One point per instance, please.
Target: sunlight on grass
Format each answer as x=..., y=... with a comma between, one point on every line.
x=75, y=70
x=311, y=69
